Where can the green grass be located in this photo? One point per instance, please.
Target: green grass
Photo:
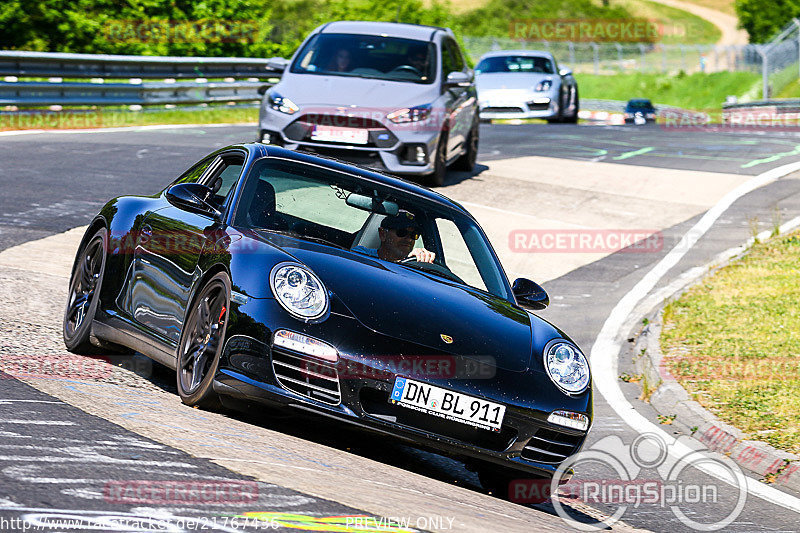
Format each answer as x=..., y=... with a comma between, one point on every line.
x=733, y=343
x=108, y=118
x=700, y=91
x=791, y=90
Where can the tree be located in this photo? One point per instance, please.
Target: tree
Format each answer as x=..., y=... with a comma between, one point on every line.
x=762, y=19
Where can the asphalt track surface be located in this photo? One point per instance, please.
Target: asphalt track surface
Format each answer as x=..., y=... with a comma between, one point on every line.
x=44, y=459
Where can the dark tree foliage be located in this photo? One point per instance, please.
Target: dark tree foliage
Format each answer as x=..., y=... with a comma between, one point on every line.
x=762, y=19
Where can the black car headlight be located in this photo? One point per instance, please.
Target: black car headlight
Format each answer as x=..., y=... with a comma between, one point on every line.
x=298, y=290
x=567, y=367
x=281, y=103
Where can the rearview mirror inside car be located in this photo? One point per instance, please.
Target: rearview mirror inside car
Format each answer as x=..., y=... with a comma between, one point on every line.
x=530, y=294
x=369, y=203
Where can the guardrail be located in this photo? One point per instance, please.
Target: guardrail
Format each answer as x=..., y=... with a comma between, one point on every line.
x=45, y=64
x=66, y=94
x=788, y=102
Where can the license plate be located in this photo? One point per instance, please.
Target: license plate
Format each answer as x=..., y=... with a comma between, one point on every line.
x=447, y=404
x=340, y=135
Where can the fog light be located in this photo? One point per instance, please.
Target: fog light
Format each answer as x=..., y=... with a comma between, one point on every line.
x=266, y=137
x=569, y=419
x=421, y=155
x=305, y=344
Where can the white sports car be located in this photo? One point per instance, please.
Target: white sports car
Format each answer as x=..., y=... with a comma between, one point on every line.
x=525, y=84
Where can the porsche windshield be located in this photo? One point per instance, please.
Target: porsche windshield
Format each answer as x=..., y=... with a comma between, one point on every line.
x=367, y=56
x=520, y=64
x=337, y=209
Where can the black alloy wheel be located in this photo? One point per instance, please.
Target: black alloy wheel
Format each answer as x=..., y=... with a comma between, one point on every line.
x=201, y=343
x=84, y=294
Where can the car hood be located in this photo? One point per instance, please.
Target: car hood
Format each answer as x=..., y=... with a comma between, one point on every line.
x=411, y=306
x=514, y=81
x=308, y=90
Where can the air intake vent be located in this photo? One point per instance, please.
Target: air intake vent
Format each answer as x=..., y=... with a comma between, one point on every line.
x=306, y=376
x=549, y=446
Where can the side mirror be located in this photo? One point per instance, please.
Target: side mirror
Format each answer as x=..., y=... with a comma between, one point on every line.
x=277, y=64
x=564, y=72
x=530, y=294
x=457, y=79
x=262, y=89
x=193, y=197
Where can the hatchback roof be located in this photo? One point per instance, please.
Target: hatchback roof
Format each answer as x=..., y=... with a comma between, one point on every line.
x=389, y=29
x=529, y=53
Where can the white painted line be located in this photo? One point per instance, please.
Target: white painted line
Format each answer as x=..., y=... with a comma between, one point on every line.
x=7, y=402
x=37, y=422
x=606, y=349
x=92, y=459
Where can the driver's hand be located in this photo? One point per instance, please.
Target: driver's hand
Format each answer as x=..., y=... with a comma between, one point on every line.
x=422, y=255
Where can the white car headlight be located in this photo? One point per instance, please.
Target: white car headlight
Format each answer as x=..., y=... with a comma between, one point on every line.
x=298, y=290
x=281, y=103
x=567, y=367
x=543, y=86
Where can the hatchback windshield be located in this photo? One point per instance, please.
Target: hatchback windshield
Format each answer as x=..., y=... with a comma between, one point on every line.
x=367, y=56
x=523, y=64
x=336, y=209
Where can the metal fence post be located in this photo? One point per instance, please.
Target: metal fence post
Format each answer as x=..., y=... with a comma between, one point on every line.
x=764, y=74
x=571, y=53
x=596, y=48
x=619, y=56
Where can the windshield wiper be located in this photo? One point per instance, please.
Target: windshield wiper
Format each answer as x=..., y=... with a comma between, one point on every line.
x=300, y=236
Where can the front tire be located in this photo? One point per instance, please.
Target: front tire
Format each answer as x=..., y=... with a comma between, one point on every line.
x=467, y=161
x=84, y=294
x=201, y=343
x=440, y=163
x=573, y=118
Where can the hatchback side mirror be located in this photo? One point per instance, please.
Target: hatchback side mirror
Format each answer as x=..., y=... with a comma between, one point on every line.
x=277, y=64
x=193, y=197
x=530, y=294
x=457, y=79
x=564, y=72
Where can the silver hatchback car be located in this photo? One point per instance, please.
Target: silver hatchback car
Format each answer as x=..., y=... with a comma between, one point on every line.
x=397, y=97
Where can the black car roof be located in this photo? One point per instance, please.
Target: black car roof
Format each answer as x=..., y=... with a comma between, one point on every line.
x=256, y=148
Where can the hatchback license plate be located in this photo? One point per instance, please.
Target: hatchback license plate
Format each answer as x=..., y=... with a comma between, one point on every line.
x=446, y=404
x=340, y=135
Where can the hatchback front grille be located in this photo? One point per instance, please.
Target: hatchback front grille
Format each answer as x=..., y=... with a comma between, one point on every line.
x=550, y=446
x=306, y=376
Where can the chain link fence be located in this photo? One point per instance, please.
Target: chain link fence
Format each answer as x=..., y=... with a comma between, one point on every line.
x=612, y=58
x=780, y=60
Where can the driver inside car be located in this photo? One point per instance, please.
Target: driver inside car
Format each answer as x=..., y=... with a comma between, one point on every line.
x=398, y=235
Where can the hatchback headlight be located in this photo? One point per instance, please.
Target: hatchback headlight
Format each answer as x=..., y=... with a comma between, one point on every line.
x=281, y=103
x=410, y=114
x=567, y=367
x=543, y=86
x=298, y=290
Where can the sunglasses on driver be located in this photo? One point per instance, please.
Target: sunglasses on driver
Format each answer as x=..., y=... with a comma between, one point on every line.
x=404, y=232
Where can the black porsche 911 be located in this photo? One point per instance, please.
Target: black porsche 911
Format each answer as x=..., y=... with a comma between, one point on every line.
x=270, y=277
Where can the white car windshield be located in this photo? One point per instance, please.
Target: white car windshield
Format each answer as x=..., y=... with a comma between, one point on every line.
x=521, y=64
x=367, y=56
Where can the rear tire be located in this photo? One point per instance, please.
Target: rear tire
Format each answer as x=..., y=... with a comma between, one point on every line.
x=467, y=161
x=84, y=294
x=201, y=343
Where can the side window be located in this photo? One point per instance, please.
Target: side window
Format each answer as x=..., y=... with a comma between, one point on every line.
x=448, y=64
x=456, y=254
x=458, y=58
x=194, y=174
x=223, y=178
